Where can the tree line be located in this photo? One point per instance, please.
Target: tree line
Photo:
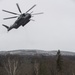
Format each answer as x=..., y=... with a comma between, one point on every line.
x=37, y=65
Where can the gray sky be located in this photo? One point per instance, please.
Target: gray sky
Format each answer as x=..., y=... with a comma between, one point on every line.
x=53, y=30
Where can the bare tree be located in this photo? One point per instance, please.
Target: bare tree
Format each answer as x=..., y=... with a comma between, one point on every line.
x=36, y=67
x=11, y=64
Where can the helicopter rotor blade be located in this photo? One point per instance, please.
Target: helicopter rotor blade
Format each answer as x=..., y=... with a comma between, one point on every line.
x=18, y=7
x=31, y=8
x=10, y=12
x=37, y=13
x=10, y=17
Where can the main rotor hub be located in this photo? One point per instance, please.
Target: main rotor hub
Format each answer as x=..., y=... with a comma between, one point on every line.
x=23, y=14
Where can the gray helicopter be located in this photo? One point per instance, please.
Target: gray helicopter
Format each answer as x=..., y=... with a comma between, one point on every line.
x=22, y=18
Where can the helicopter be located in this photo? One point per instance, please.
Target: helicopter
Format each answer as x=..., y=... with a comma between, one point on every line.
x=22, y=18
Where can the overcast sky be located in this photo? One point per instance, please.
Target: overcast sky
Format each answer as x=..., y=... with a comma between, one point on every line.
x=53, y=30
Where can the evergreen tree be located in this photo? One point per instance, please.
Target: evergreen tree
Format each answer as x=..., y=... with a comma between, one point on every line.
x=59, y=61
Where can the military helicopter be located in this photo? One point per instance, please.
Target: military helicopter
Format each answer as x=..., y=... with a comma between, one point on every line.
x=22, y=18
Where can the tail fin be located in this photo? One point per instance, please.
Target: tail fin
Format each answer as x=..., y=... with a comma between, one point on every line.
x=5, y=26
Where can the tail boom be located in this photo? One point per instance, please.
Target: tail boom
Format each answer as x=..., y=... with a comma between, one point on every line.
x=6, y=27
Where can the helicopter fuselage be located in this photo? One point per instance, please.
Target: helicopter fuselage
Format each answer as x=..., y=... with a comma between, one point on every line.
x=23, y=19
